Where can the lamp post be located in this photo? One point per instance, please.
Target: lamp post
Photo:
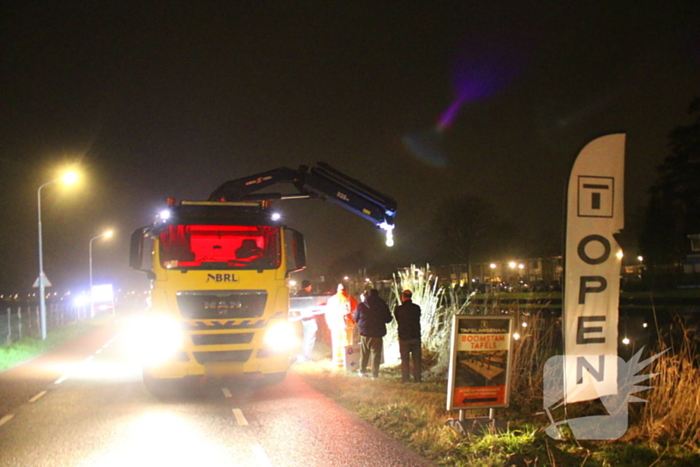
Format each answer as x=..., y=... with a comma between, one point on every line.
x=68, y=178
x=106, y=234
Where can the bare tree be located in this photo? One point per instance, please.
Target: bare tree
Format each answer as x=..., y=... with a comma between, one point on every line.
x=468, y=228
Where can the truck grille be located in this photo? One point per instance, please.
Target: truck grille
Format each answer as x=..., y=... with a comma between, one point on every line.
x=224, y=356
x=222, y=339
x=222, y=304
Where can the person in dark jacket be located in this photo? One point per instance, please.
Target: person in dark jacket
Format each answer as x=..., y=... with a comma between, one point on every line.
x=371, y=316
x=408, y=319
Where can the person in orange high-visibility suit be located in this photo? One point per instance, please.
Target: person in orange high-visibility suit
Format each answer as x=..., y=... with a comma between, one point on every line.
x=339, y=317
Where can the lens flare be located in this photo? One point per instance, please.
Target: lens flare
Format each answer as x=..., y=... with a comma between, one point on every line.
x=482, y=67
x=427, y=147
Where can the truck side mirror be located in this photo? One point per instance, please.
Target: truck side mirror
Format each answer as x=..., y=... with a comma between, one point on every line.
x=136, y=251
x=296, y=250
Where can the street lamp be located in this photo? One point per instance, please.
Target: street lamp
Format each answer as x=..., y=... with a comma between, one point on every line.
x=69, y=178
x=106, y=234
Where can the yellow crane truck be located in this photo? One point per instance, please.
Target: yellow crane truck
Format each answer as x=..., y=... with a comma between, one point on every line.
x=219, y=296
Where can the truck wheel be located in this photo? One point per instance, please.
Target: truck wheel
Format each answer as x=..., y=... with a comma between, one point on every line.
x=275, y=378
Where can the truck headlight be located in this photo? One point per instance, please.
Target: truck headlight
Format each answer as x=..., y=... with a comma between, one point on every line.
x=159, y=338
x=280, y=337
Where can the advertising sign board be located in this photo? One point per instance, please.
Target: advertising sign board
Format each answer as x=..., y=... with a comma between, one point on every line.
x=479, y=375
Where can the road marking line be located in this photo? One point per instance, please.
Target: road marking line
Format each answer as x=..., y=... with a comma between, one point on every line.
x=62, y=379
x=226, y=392
x=5, y=419
x=260, y=453
x=36, y=398
x=239, y=417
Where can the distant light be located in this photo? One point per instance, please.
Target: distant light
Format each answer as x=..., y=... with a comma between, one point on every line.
x=620, y=254
x=524, y=324
x=492, y=265
x=276, y=216
x=640, y=258
x=81, y=300
x=516, y=336
x=103, y=292
x=366, y=279
x=512, y=264
x=346, y=278
x=645, y=325
x=625, y=341
x=165, y=214
x=292, y=283
x=521, y=266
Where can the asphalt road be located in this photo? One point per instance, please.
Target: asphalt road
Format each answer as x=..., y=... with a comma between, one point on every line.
x=85, y=405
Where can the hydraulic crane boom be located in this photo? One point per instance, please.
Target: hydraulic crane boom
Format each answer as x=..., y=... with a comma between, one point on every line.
x=322, y=181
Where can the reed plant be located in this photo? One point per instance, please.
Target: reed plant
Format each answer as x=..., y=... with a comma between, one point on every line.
x=539, y=340
x=671, y=414
x=438, y=306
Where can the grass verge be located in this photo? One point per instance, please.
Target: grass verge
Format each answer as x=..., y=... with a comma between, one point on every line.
x=415, y=415
x=29, y=347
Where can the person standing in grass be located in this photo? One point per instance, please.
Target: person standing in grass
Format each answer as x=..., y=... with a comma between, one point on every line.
x=408, y=319
x=339, y=317
x=371, y=317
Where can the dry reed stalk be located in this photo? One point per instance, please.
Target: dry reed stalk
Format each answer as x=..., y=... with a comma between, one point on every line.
x=538, y=343
x=672, y=411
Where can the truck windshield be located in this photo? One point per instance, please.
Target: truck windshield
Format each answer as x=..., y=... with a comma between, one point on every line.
x=219, y=247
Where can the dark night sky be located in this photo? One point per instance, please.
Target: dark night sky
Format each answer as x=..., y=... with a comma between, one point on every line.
x=159, y=99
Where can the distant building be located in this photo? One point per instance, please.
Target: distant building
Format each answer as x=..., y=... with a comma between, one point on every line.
x=515, y=274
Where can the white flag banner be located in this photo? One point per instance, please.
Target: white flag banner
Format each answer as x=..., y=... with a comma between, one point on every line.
x=595, y=211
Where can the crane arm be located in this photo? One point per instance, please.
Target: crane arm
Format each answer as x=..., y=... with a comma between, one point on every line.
x=321, y=181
